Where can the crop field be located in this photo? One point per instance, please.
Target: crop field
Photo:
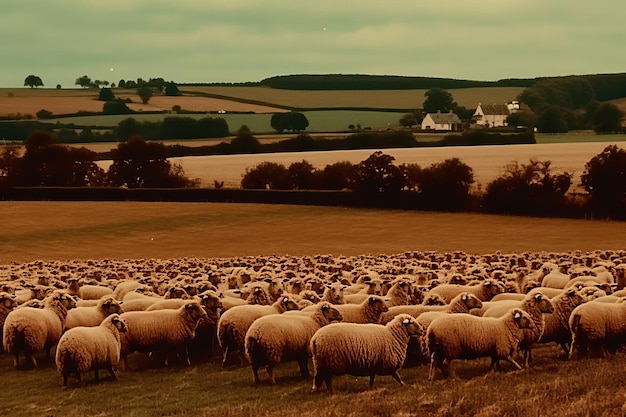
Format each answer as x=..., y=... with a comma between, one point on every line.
x=384, y=99
x=143, y=231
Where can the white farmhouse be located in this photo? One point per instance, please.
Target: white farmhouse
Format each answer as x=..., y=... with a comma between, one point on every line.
x=492, y=115
x=441, y=121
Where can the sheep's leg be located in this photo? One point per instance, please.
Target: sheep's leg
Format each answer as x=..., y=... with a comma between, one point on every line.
x=510, y=360
x=65, y=375
x=372, y=375
x=395, y=376
x=33, y=361
x=224, y=356
x=16, y=360
x=270, y=373
x=112, y=372
x=431, y=370
x=187, y=354
x=329, y=382
x=303, y=362
x=255, y=373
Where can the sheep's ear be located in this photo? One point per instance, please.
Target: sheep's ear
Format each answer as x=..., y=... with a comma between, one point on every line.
x=464, y=298
x=406, y=321
x=487, y=283
x=371, y=299
x=538, y=297
x=517, y=315
x=325, y=307
x=285, y=300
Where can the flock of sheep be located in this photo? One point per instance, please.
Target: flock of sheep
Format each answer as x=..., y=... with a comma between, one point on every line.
x=362, y=315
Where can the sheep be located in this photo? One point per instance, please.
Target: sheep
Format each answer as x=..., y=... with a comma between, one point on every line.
x=368, y=311
x=8, y=303
x=93, y=316
x=557, y=324
x=124, y=287
x=484, y=291
x=171, y=330
x=334, y=293
x=29, y=330
x=361, y=349
x=463, y=336
x=83, y=349
x=599, y=327
x=461, y=303
x=535, y=304
x=87, y=292
x=234, y=323
x=272, y=339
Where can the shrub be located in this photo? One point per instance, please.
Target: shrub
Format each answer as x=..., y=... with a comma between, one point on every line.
x=266, y=175
x=528, y=189
x=604, y=179
x=44, y=114
x=445, y=185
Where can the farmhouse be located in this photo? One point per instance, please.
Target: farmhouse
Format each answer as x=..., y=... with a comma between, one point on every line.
x=441, y=121
x=493, y=115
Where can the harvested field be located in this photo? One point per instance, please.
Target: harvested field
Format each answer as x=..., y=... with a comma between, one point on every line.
x=85, y=230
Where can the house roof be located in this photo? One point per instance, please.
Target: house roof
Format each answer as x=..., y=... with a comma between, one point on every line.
x=495, y=109
x=444, y=118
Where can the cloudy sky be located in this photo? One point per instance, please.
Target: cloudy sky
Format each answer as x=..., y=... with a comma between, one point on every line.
x=248, y=40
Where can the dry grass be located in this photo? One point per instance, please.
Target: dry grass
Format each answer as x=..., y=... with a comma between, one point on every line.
x=88, y=230
x=31, y=100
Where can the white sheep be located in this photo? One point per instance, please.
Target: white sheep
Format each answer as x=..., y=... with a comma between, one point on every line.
x=597, y=327
x=84, y=349
x=557, y=324
x=536, y=304
x=234, y=323
x=361, y=349
x=484, y=291
x=169, y=330
x=334, y=293
x=463, y=336
x=87, y=292
x=29, y=330
x=282, y=337
x=8, y=303
x=461, y=303
x=93, y=316
x=369, y=311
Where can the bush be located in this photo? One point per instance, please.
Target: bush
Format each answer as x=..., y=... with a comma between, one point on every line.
x=106, y=94
x=604, y=179
x=446, y=185
x=43, y=114
x=116, y=107
x=266, y=175
x=528, y=189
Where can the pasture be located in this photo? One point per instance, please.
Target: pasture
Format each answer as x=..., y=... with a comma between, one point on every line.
x=50, y=231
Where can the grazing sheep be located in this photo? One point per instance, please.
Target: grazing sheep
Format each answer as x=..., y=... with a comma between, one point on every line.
x=557, y=324
x=84, y=349
x=169, y=330
x=361, y=349
x=93, y=316
x=535, y=304
x=271, y=340
x=29, y=330
x=463, y=336
x=234, y=323
x=598, y=327
x=484, y=291
x=368, y=311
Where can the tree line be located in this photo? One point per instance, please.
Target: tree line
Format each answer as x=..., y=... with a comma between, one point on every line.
x=524, y=189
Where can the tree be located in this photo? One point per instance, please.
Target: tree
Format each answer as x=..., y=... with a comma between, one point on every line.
x=408, y=120
x=301, y=175
x=245, y=142
x=33, y=81
x=84, y=81
x=446, y=185
x=438, y=99
x=607, y=118
x=171, y=89
x=604, y=179
x=377, y=174
x=106, y=94
x=145, y=93
x=293, y=121
x=552, y=120
x=266, y=175
x=335, y=176
x=43, y=114
x=141, y=164
x=116, y=107
x=530, y=189
x=526, y=118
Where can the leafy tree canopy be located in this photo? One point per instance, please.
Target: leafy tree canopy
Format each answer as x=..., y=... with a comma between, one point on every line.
x=33, y=81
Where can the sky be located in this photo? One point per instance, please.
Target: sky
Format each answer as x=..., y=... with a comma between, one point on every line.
x=188, y=41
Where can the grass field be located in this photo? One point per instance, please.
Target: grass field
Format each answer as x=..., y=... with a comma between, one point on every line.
x=66, y=230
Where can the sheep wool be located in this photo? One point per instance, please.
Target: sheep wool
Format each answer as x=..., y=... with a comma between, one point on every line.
x=29, y=330
x=169, y=330
x=93, y=316
x=485, y=290
x=369, y=311
x=463, y=336
x=361, y=349
x=84, y=349
x=597, y=327
x=234, y=323
x=283, y=337
x=557, y=324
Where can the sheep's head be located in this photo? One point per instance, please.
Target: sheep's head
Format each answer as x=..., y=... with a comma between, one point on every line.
x=119, y=323
x=470, y=300
x=522, y=319
x=542, y=302
x=434, y=300
x=335, y=293
x=493, y=287
x=111, y=306
x=289, y=304
x=573, y=296
x=330, y=313
x=194, y=311
x=210, y=300
x=412, y=327
x=377, y=304
x=7, y=301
